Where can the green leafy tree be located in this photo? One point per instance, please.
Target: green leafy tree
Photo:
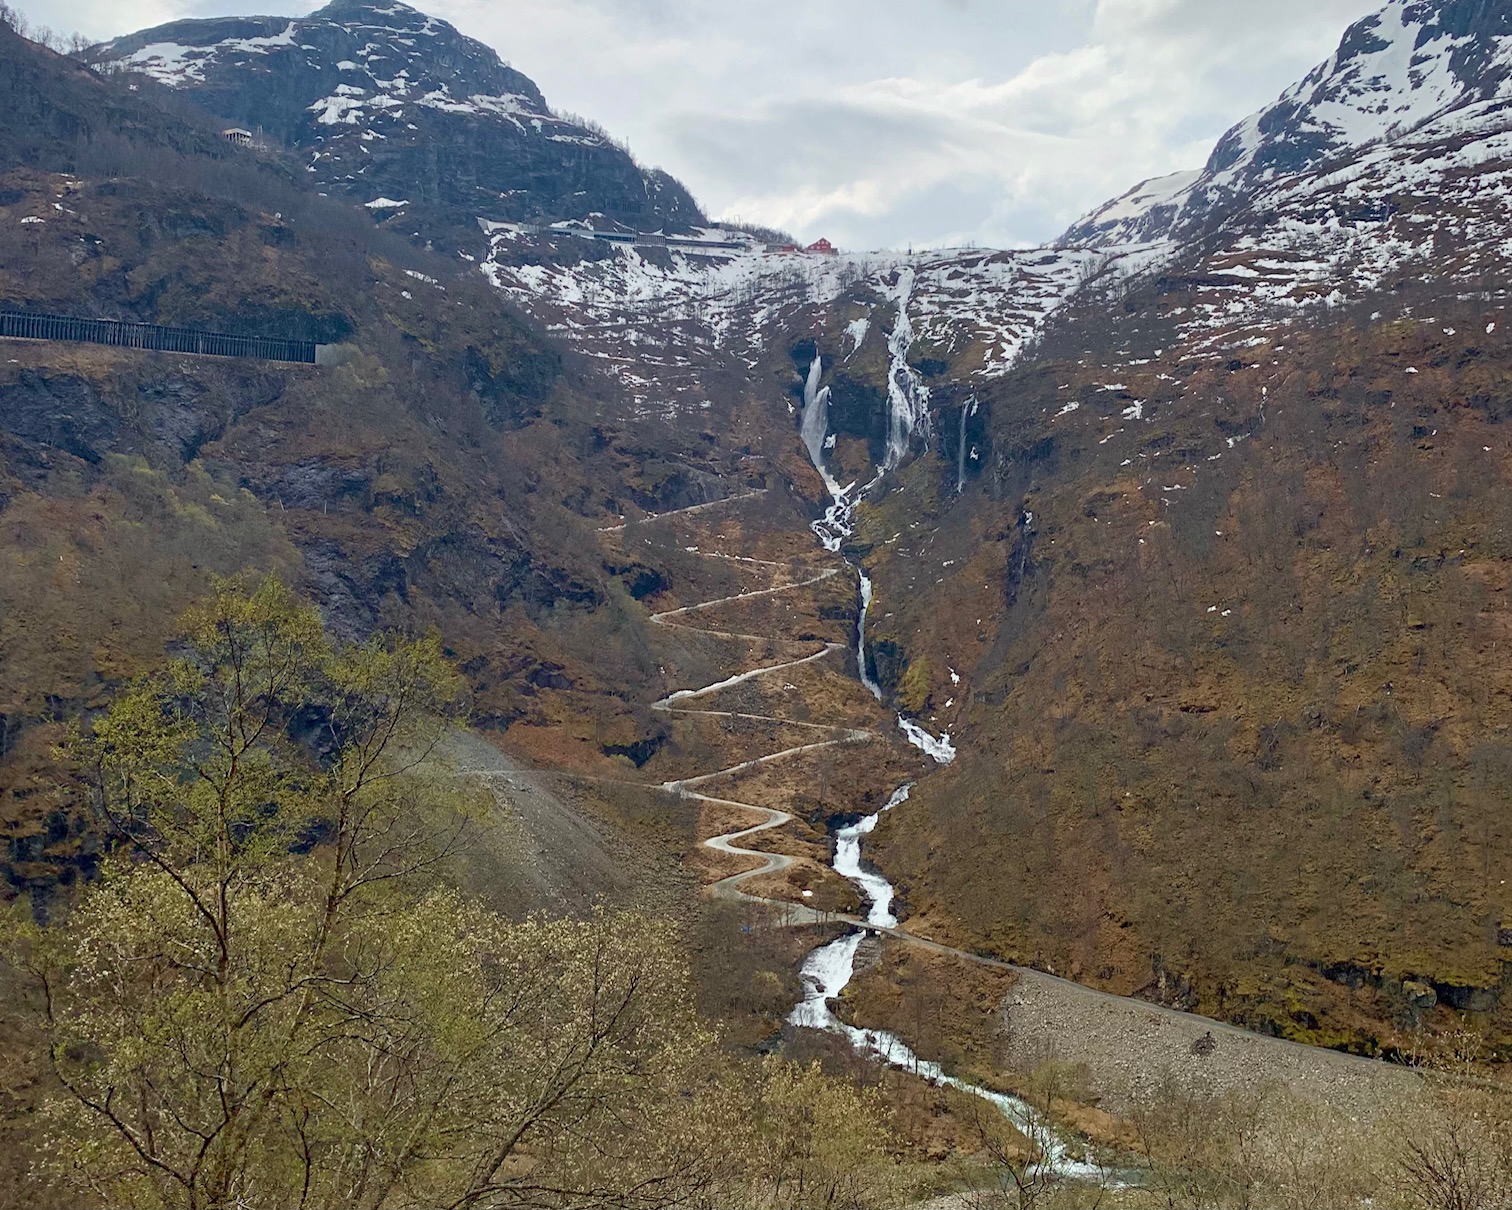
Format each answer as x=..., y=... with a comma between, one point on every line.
x=264, y=1001
x=820, y=1142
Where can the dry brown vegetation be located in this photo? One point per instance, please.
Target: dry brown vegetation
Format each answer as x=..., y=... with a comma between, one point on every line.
x=1234, y=713
x=1232, y=716
x=407, y=487
x=947, y=1008
x=1435, y=1137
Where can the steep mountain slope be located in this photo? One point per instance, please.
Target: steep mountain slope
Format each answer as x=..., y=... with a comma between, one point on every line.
x=407, y=486
x=59, y=114
x=1231, y=713
x=1414, y=64
x=1228, y=603
x=399, y=111
x=668, y=322
x=1202, y=567
x=1186, y=537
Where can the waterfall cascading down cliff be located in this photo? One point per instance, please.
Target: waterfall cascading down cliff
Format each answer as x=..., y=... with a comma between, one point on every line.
x=968, y=410
x=907, y=396
x=835, y=526
x=814, y=427
x=866, y=600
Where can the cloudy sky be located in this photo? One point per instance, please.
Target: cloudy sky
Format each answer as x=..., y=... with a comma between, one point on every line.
x=882, y=123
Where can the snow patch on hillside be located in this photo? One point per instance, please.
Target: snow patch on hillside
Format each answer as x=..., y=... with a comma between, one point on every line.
x=171, y=63
x=1150, y=205
x=645, y=310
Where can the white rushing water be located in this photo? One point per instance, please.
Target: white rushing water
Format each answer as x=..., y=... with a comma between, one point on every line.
x=968, y=410
x=940, y=748
x=907, y=396
x=848, y=863
x=835, y=526
x=814, y=427
x=828, y=970
x=866, y=599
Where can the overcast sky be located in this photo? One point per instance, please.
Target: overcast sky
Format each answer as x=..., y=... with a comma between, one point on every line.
x=882, y=123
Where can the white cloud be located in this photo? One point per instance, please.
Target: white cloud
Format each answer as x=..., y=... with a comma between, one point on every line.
x=876, y=159
x=881, y=122
x=99, y=18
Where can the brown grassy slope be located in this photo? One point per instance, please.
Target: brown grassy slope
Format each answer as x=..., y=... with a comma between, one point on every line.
x=445, y=476
x=60, y=116
x=1235, y=720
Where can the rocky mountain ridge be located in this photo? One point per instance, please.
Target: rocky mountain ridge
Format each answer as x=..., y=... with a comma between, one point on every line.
x=406, y=486
x=1414, y=70
x=1387, y=162
x=404, y=114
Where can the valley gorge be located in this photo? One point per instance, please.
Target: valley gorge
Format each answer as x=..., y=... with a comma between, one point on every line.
x=1060, y=694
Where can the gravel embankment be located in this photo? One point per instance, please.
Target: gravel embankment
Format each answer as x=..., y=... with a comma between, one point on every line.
x=1128, y=1046
x=535, y=850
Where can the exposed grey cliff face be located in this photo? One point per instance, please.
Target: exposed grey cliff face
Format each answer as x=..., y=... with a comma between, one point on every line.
x=392, y=106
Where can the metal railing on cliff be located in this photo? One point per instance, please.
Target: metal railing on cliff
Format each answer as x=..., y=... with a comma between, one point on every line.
x=130, y=335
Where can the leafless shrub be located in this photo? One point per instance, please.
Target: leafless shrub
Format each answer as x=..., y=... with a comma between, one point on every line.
x=1460, y=1157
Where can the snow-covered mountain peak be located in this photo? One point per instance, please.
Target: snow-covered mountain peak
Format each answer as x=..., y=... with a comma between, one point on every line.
x=378, y=94
x=1143, y=214
x=668, y=317
x=1396, y=71
x=360, y=48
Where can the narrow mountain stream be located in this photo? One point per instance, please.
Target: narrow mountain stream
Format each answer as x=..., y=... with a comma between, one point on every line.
x=828, y=970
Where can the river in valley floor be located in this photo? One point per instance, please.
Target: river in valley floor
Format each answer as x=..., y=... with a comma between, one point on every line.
x=828, y=970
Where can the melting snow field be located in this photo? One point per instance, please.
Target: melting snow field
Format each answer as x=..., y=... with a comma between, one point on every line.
x=1399, y=162
x=655, y=317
